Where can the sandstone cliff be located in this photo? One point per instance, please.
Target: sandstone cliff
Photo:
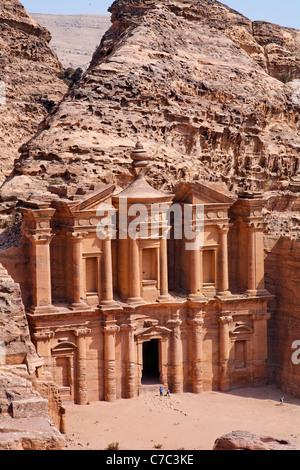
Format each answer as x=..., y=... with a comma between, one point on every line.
x=29, y=85
x=27, y=402
x=195, y=81
x=211, y=95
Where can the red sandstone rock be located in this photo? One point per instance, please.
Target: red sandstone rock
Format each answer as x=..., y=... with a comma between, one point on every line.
x=243, y=440
x=28, y=68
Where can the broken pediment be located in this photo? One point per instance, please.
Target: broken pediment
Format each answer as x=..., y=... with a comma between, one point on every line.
x=198, y=192
x=93, y=200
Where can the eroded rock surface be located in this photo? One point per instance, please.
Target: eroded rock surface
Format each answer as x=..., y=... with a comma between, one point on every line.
x=243, y=440
x=29, y=406
x=28, y=78
x=190, y=79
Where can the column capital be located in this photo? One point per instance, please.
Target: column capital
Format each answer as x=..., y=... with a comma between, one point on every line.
x=196, y=321
x=44, y=335
x=79, y=332
x=255, y=225
x=39, y=238
x=110, y=329
x=261, y=316
x=225, y=227
x=174, y=322
x=77, y=236
x=225, y=319
x=131, y=327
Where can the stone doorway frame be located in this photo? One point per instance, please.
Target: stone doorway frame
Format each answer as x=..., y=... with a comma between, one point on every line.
x=162, y=335
x=66, y=350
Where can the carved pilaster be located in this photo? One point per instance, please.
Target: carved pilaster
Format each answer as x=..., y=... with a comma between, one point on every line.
x=164, y=287
x=131, y=359
x=222, y=268
x=224, y=321
x=196, y=325
x=135, y=272
x=255, y=281
x=110, y=389
x=82, y=392
x=40, y=270
x=176, y=352
x=78, y=302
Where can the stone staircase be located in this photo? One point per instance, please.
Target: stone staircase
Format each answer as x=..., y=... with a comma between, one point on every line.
x=150, y=389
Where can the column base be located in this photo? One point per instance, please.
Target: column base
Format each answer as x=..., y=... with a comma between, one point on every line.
x=136, y=300
x=164, y=298
x=80, y=306
x=36, y=310
x=108, y=304
x=260, y=292
x=225, y=293
x=198, y=296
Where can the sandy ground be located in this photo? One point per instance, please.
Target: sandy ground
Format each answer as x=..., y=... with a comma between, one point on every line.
x=185, y=421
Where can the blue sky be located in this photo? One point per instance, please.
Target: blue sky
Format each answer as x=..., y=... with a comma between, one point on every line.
x=285, y=13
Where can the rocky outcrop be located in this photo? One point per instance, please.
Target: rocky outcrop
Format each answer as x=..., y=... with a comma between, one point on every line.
x=30, y=404
x=188, y=79
x=243, y=440
x=211, y=94
x=29, y=86
x=16, y=345
x=30, y=434
x=282, y=265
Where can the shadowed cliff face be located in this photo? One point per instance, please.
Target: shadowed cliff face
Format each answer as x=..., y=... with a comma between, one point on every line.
x=192, y=81
x=28, y=78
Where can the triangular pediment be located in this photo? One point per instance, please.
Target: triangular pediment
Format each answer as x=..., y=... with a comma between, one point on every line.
x=202, y=192
x=153, y=331
x=94, y=199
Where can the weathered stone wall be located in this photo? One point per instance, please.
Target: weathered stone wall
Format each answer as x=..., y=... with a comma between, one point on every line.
x=28, y=70
x=282, y=263
x=23, y=396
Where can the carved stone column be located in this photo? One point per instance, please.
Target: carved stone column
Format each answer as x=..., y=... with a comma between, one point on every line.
x=222, y=267
x=107, y=291
x=41, y=271
x=259, y=347
x=196, y=277
x=110, y=389
x=135, y=271
x=81, y=372
x=224, y=321
x=131, y=360
x=255, y=282
x=251, y=283
x=164, y=286
x=176, y=353
x=42, y=341
x=196, y=340
x=77, y=271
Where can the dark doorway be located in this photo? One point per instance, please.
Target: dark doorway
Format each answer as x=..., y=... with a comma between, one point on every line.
x=150, y=362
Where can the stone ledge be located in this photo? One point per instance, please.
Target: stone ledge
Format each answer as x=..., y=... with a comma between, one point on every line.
x=30, y=434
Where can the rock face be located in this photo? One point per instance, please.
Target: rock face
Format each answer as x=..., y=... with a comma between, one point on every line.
x=14, y=332
x=243, y=440
x=191, y=80
x=211, y=94
x=282, y=264
x=29, y=85
x=26, y=402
